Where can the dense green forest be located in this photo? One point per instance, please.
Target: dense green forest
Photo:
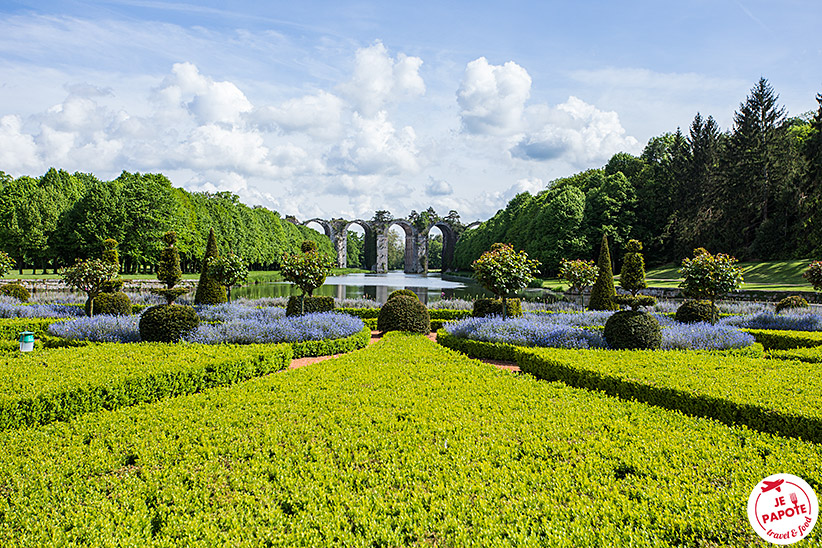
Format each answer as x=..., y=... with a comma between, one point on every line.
x=50, y=221
x=753, y=191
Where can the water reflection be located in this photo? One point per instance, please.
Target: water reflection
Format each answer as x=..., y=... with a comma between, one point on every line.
x=372, y=286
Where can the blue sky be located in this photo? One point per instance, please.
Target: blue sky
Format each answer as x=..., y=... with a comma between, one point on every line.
x=342, y=108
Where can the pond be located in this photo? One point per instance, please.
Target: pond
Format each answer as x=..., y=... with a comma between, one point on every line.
x=373, y=286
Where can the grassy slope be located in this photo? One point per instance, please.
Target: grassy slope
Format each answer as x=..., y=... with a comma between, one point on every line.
x=401, y=444
x=774, y=275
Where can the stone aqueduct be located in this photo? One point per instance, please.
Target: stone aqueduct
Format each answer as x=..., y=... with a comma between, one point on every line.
x=376, y=242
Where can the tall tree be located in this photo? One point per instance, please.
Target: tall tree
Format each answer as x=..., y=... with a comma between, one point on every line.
x=812, y=187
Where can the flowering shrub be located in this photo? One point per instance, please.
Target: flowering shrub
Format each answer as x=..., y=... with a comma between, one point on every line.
x=100, y=328
x=535, y=330
x=309, y=327
x=797, y=320
x=566, y=331
x=11, y=308
x=703, y=336
x=238, y=311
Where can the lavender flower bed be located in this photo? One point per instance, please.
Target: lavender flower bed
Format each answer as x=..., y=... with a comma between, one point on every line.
x=787, y=321
x=101, y=328
x=531, y=330
x=310, y=327
x=564, y=331
x=13, y=309
x=238, y=311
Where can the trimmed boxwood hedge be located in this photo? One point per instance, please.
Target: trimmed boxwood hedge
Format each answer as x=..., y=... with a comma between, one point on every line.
x=10, y=328
x=434, y=313
x=402, y=444
x=783, y=340
x=297, y=304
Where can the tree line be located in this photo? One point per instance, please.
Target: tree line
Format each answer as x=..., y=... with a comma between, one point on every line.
x=51, y=221
x=753, y=191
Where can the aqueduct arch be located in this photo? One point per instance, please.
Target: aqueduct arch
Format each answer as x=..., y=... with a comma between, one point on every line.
x=376, y=242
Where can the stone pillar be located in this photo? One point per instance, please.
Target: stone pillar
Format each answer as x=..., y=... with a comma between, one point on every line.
x=339, y=240
x=422, y=253
x=381, y=234
x=412, y=264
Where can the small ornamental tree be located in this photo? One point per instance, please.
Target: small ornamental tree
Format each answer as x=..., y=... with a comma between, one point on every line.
x=90, y=276
x=632, y=277
x=503, y=271
x=603, y=291
x=814, y=275
x=710, y=277
x=228, y=271
x=307, y=270
x=209, y=290
x=579, y=274
x=111, y=256
x=6, y=263
x=169, y=271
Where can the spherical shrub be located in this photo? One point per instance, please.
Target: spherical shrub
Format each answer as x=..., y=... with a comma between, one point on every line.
x=114, y=304
x=404, y=313
x=309, y=306
x=633, y=330
x=398, y=292
x=692, y=311
x=794, y=301
x=167, y=322
x=493, y=307
x=17, y=291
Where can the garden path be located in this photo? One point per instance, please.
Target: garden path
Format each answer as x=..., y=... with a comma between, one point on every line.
x=375, y=336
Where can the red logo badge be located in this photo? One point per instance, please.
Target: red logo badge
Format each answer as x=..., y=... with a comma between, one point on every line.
x=783, y=509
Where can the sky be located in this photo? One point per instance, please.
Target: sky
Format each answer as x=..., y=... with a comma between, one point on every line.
x=341, y=108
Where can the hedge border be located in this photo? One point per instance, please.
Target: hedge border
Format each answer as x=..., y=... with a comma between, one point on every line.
x=327, y=347
x=553, y=368
x=773, y=339
x=442, y=314
x=10, y=328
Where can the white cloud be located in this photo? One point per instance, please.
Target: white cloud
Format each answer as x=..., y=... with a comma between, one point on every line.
x=574, y=131
x=492, y=97
x=318, y=115
x=208, y=101
x=378, y=79
x=375, y=146
x=437, y=187
x=18, y=151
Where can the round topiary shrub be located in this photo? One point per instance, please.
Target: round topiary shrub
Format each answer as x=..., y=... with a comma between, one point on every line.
x=15, y=290
x=404, y=313
x=692, y=311
x=493, y=307
x=794, y=301
x=167, y=322
x=633, y=330
x=399, y=292
x=113, y=304
x=310, y=305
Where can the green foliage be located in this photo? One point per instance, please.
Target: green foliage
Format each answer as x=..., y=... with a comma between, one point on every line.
x=503, y=271
x=109, y=376
x=6, y=263
x=692, y=311
x=308, y=246
x=399, y=292
x=632, y=330
x=10, y=328
x=579, y=274
x=167, y=322
x=709, y=276
x=209, y=290
x=635, y=302
x=404, y=313
x=814, y=275
x=16, y=291
x=493, y=307
x=603, y=289
x=110, y=254
x=284, y=456
x=307, y=270
x=794, y=301
x=632, y=276
x=169, y=271
x=90, y=276
x=785, y=340
x=441, y=314
x=114, y=304
x=229, y=271
x=328, y=347
x=303, y=304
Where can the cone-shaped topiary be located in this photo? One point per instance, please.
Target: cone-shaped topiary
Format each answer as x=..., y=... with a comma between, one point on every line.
x=603, y=290
x=111, y=256
x=632, y=277
x=209, y=291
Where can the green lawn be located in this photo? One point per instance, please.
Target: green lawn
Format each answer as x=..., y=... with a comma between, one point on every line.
x=769, y=275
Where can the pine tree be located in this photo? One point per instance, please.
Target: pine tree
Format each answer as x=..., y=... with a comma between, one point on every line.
x=603, y=290
x=209, y=291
